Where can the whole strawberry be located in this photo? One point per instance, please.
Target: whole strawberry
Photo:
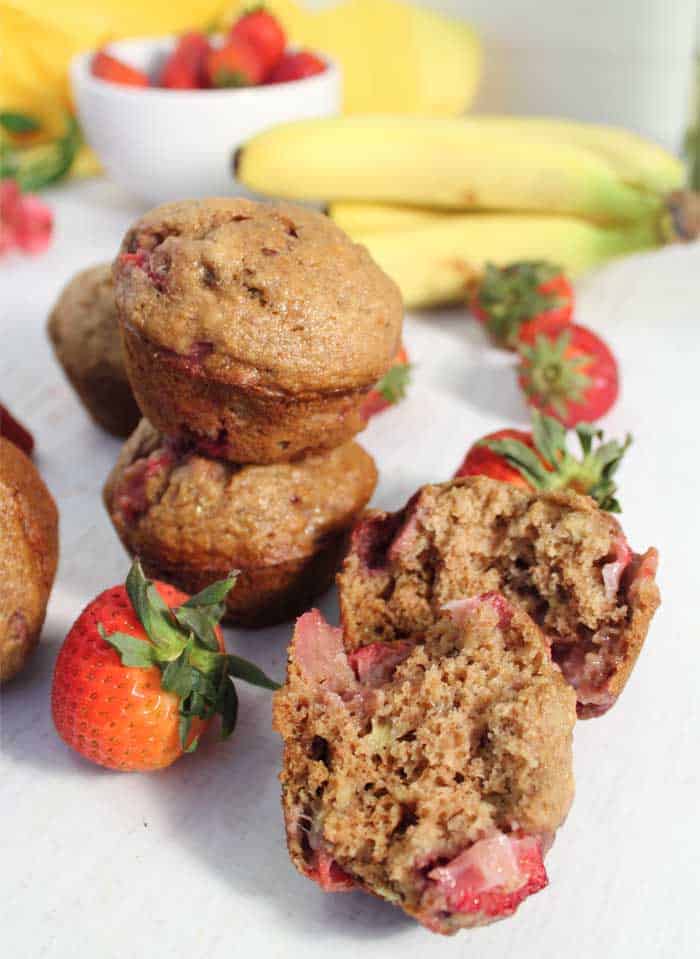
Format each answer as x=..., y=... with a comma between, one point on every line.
x=391, y=389
x=143, y=671
x=482, y=460
x=264, y=32
x=568, y=372
x=541, y=460
x=508, y=298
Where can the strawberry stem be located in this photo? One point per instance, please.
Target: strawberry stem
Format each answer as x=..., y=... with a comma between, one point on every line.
x=182, y=643
x=591, y=474
x=394, y=383
x=552, y=378
x=511, y=295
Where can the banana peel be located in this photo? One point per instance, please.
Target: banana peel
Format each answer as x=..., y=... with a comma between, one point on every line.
x=396, y=57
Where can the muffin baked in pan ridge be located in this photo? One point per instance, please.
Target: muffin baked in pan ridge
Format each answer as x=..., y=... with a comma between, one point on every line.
x=192, y=519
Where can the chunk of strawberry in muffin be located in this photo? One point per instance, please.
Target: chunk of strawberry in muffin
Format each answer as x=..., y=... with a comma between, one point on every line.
x=489, y=879
x=432, y=773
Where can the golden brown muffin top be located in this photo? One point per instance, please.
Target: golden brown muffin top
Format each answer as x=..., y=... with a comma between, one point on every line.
x=83, y=324
x=277, y=292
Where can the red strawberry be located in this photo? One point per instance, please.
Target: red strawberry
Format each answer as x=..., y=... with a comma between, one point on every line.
x=143, y=671
x=567, y=372
x=324, y=870
x=13, y=431
x=541, y=460
x=107, y=67
x=390, y=389
x=509, y=297
x=264, y=33
x=235, y=64
x=491, y=877
x=296, y=66
x=481, y=460
x=185, y=68
x=374, y=664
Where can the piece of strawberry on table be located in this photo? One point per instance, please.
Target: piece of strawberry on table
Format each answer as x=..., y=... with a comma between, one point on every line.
x=541, y=460
x=13, y=431
x=296, y=66
x=262, y=31
x=567, y=371
x=185, y=68
x=507, y=298
x=142, y=673
x=391, y=389
x=235, y=64
x=109, y=68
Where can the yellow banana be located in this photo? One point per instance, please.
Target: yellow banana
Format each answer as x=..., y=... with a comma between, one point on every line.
x=433, y=264
x=639, y=162
x=444, y=162
x=373, y=217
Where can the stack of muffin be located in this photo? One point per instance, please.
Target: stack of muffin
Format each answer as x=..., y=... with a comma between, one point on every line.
x=251, y=334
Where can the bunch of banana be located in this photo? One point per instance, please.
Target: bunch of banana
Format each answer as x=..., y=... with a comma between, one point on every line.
x=434, y=198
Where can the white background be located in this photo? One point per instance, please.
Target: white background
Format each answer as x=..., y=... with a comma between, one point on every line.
x=190, y=863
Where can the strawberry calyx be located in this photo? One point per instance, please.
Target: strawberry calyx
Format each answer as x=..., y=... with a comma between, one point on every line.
x=551, y=375
x=182, y=643
x=591, y=474
x=509, y=296
x=395, y=382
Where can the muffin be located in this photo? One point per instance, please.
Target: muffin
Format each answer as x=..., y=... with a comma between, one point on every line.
x=254, y=330
x=84, y=330
x=192, y=519
x=433, y=773
x=28, y=557
x=556, y=555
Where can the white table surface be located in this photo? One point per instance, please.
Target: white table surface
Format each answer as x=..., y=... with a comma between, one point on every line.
x=191, y=862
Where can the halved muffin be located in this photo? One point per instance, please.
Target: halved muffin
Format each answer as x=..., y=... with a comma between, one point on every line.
x=192, y=519
x=432, y=772
x=556, y=555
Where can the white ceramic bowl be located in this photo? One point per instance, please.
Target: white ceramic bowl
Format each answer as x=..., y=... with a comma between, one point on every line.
x=174, y=144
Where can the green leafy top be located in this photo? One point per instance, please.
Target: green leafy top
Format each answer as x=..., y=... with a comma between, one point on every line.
x=511, y=295
x=552, y=377
x=15, y=122
x=394, y=383
x=183, y=645
x=37, y=166
x=591, y=474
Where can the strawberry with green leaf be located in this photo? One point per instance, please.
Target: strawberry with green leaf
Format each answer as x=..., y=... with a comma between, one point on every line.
x=567, y=372
x=391, y=389
x=542, y=461
x=508, y=298
x=142, y=673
